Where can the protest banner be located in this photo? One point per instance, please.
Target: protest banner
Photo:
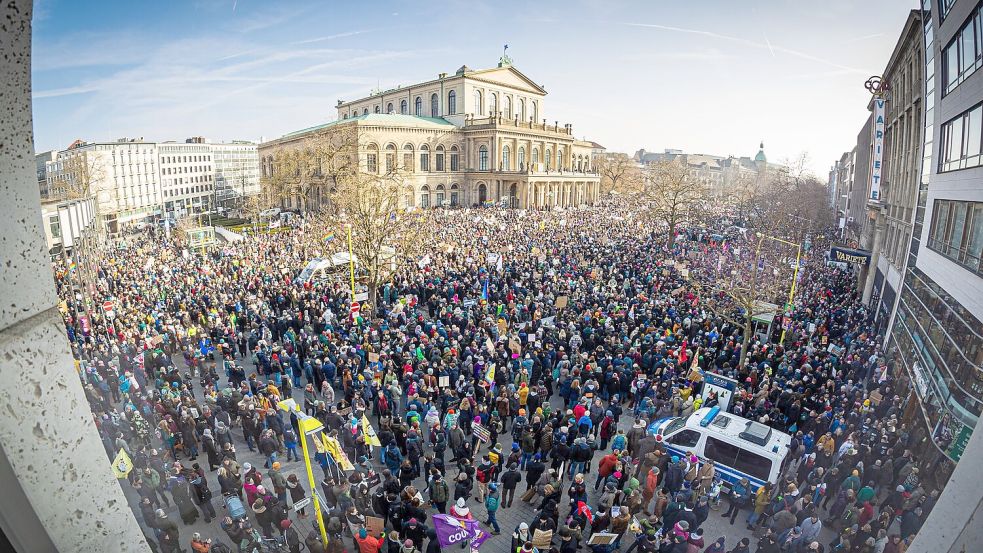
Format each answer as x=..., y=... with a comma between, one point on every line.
x=481, y=432
x=541, y=539
x=451, y=530
x=375, y=526
x=370, y=436
x=561, y=302
x=443, y=381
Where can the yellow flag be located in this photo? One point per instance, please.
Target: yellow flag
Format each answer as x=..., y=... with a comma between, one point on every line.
x=334, y=449
x=369, y=432
x=122, y=464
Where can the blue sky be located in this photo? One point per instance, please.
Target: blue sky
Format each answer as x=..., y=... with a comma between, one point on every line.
x=700, y=75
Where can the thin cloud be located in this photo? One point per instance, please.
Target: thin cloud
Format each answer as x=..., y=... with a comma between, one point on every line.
x=67, y=91
x=747, y=42
x=330, y=37
x=862, y=38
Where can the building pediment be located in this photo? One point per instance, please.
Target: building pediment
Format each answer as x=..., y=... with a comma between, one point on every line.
x=506, y=76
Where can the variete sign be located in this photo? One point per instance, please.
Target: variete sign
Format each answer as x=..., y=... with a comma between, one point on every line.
x=848, y=255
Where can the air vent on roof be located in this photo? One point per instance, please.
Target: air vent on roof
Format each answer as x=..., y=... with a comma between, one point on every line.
x=756, y=433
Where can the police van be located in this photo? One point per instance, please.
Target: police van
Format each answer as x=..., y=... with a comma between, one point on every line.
x=740, y=448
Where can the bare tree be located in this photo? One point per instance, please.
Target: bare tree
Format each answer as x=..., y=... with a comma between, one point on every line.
x=749, y=281
x=311, y=164
x=619, y=173
x=675, y=194
x=78, y=177
x=383, y=232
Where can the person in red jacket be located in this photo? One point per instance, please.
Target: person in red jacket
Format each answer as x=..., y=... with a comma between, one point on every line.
x=605, y=467
x=367, y=543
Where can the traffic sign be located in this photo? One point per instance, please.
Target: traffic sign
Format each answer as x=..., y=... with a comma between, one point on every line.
x=107, y=305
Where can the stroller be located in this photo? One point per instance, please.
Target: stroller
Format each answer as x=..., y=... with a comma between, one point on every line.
x=234, y=505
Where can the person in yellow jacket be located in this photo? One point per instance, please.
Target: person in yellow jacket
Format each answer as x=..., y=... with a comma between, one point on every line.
x=761, y=500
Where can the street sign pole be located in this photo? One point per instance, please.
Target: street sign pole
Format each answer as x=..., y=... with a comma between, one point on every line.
x=308, y=425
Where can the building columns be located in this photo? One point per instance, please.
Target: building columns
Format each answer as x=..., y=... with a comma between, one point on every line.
x=78, y=506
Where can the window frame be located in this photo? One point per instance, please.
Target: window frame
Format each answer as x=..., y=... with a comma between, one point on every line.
x=418, y=106
x=434, y=105
x=452, y=102
x=482, y=158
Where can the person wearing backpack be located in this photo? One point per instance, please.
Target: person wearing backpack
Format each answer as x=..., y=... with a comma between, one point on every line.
x=485, y=475
x=492, y=503
x=439, y=493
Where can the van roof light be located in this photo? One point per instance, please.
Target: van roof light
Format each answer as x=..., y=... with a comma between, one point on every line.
x=709, y=417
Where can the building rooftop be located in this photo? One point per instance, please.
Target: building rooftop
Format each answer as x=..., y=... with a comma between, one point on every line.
x=386, y=119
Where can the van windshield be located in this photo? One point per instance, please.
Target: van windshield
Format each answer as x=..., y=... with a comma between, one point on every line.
x=674, y=425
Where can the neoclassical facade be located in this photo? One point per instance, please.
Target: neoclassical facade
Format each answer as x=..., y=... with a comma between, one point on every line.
x=470, y=138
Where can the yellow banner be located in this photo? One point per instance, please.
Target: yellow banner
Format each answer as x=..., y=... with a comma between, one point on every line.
x=334, y=449
x=318, y=444
x=369, y=432
x=122, y=464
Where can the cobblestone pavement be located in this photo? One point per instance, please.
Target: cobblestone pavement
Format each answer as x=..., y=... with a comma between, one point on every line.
x=508, y=517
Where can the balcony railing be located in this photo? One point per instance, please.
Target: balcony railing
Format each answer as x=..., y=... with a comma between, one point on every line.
x=515, y=123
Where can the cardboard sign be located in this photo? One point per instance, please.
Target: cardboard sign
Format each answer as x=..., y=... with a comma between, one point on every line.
x=601, y=538
x=541, y=539
x=561, y=302
x=443, y=381
x=375, y=526
x=373, y=358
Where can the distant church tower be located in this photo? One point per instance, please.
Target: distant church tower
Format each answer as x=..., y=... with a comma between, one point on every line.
x=760, y=159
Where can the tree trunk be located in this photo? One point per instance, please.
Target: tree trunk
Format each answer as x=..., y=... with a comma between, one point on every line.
x=373, y=296
x=748, y=325
x=672, y=234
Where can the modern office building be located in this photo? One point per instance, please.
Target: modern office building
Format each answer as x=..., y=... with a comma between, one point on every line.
x=469, y=138
x=187, y=174
x=236, y=166
x=936, y=337
x=41, y=160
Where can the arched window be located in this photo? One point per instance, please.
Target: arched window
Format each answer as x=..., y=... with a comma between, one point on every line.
x=372, y=159
x=424, y=157
x=439, y=158
x=425, y=196
x=483, y=158
x=389, y=108
x=532, y=110
x=454, y=194
x=408, y=156
x=440, y=195
x=402, y=107
x=559, y=160
x=434, y=106
x=377, y=109
x=390, y=157
x=493, y=104
x=418, y=106
x=522, y=109
x=482, y=192
x=522, y=159
x=535, y=156
x=452, y=102
x=477, y=102
x=549, y=159
x=455, y=159
x=507, y=107
x=365, y=111
x=506, y=166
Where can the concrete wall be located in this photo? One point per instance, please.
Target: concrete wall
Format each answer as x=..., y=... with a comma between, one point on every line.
x=59, y=493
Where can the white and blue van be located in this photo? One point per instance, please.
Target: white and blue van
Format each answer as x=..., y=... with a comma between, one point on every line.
x=740, y=448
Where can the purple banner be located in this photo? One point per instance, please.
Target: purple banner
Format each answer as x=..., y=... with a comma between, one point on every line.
x=451, y=530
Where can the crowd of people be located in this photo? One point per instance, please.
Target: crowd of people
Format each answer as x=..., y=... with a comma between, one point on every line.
x=526, y=354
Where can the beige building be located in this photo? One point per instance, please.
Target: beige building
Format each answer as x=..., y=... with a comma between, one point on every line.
x=722, y=174
x=473, y=137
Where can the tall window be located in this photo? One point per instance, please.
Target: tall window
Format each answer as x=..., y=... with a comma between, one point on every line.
x=408, y=157
x=390, y=158
x=440, y=195
x=522, y=159
x=440, y=158
x=402, y=107
x=454, y=194
x=559, y=160
x=477, y=102
x=434, y=106
x=455, y=159
x=365, y=111
x=522, y=109
x=377, y=109
x=549, y=159
x=964, y=54
x=424, y=158
x=960, y=146
x=957, y=231
x=452, y=102
x=425, y=196
x=535, y=156
x=371, y=163
x=493, y=104
x=532, y=110
x=506, y=152
x=389, y=108
x=418, y=106
x=483, y=158
x=507, y=107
